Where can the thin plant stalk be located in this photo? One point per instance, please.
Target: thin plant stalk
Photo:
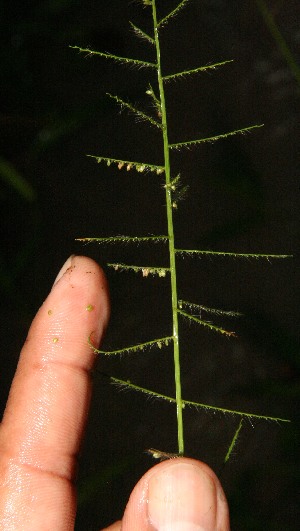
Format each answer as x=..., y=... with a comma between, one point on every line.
x=279, y=38
x=169, y=208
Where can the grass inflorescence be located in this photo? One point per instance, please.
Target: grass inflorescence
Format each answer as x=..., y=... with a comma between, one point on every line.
x=173, y=191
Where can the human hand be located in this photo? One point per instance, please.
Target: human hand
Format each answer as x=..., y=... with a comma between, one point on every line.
x=45, y=417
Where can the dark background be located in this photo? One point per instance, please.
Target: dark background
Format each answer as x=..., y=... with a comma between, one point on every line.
x=243, y=197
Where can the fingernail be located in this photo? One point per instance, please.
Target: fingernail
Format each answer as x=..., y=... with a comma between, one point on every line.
x=64, y=268
x=182, y=498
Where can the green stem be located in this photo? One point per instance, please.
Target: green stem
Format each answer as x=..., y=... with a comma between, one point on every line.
x=280, y=40
x=179, y=403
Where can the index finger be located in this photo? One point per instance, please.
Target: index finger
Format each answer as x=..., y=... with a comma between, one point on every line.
x=48, y=403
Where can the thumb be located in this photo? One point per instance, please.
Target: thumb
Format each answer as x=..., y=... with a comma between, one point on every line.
x=177, y=495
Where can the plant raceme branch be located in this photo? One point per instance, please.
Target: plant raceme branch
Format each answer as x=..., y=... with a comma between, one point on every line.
x=186, y=73
x=210, y=139
x=162, y=341
x=128, y=385
x=128, y=165
x=117, y=58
